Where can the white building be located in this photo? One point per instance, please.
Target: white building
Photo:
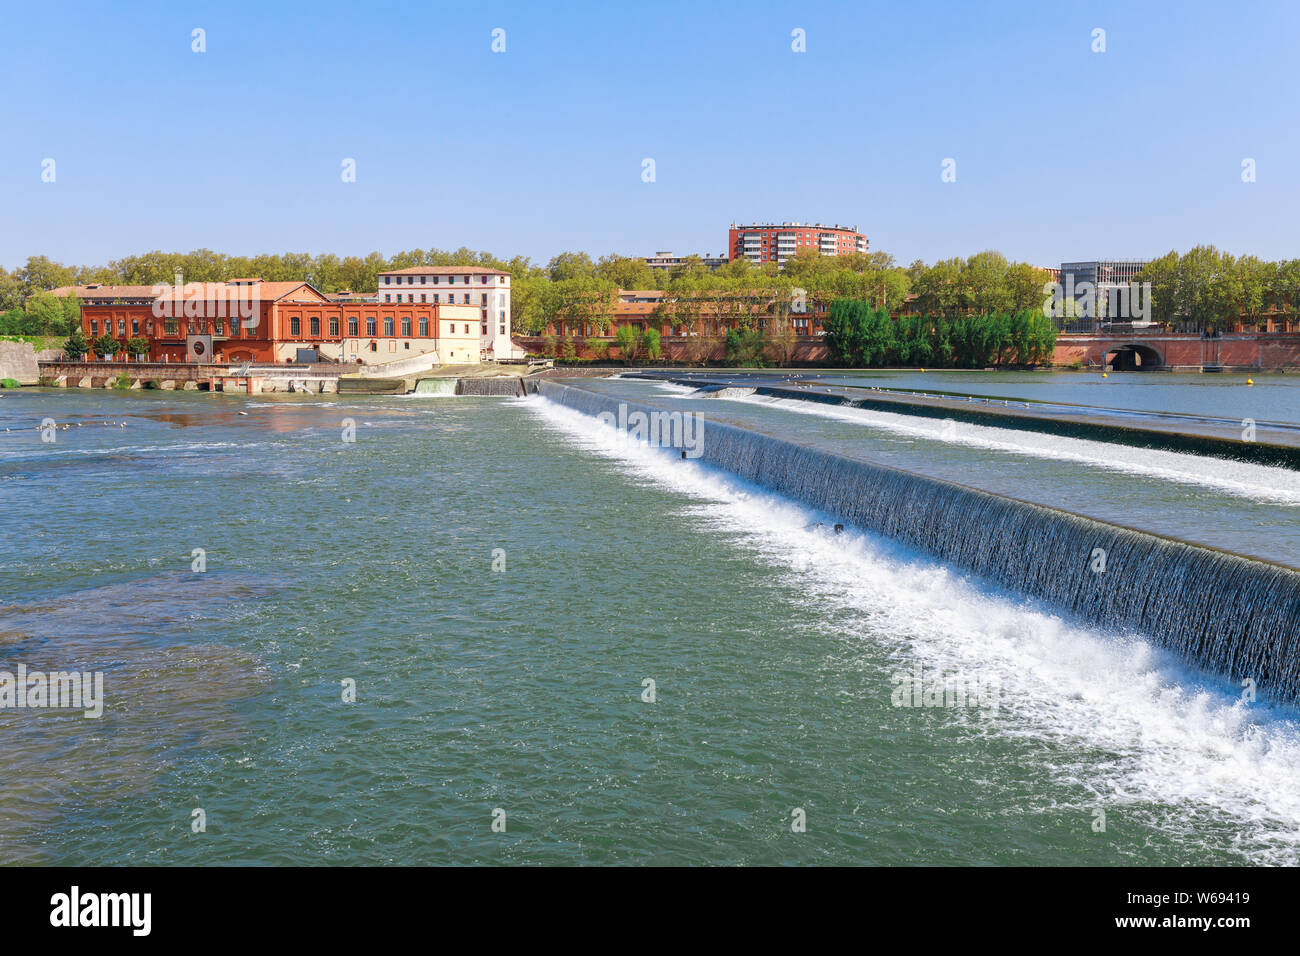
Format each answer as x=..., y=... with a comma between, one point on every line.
x=488, y=289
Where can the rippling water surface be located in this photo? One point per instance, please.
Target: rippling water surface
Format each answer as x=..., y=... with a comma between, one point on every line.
x=773, y=644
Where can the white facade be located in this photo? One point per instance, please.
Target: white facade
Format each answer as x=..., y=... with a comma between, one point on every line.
x=486, y=289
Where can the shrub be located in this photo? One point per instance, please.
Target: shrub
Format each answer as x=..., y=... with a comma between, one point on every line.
x=8, y=383
x=122, y=381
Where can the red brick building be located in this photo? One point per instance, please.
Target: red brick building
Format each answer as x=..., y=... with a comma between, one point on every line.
x=247, y=320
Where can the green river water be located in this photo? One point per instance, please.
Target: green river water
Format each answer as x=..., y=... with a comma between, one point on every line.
x=774, y=646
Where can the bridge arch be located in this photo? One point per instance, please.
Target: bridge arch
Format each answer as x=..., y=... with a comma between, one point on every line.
x=1132, y=357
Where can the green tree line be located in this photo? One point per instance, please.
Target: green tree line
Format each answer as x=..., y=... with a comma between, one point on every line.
x=861, y=336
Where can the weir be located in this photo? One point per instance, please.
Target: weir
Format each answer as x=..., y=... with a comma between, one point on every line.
x=435, y=386
x=1221, y=612
x=1067, y=426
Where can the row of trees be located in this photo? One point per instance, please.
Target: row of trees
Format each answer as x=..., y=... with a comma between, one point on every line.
x=861, y=336
x=1203, y=285
x=1207, y=287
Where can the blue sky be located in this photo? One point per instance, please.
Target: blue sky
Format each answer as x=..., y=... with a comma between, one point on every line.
x=1061, y=153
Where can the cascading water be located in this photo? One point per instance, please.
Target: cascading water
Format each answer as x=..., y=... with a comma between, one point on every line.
x=724, y=391
x=435, y=386
x=500, y=386
x=1216, y=610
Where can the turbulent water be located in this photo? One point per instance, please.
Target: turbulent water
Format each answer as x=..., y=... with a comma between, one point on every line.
x=776, y=646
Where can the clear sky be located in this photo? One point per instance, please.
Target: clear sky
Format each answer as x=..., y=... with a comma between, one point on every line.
x=1061, y=153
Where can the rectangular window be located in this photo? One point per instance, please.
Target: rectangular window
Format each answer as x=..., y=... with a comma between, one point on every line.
x=388, y=298
x=94, y=326
x=387, y=279
x=435, y=280
x=219, y=326
x=503, y=330
x=424, y=326
x=294, y=326
x=422, y=278
x=485, y=280
x=484, y=332
x=388, y=325
x=370, y=325
x=352, y=325
x=315, y=326
x=121, y=326
x=334, y=326
x=435, y=295
x=406, y=325
x=135, y=326
x=169, y=327
x=484, y=302
x=423, y=297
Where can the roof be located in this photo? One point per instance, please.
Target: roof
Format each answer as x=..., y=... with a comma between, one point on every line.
x=445, y=270
x=191, y=290
x=98, y=290
x=271, y=291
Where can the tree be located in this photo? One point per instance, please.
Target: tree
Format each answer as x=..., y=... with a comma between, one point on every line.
x=571, y=265
x=651, y=341
x=105, y=346
x=628, y=340
x=76, y=346
x=137, y=345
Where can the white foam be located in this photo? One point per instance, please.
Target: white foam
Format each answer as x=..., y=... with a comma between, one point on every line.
x=1115, y=721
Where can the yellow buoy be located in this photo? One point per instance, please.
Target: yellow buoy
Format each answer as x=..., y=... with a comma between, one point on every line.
x=922, y=370
x=1250, y=381
x=1104, y=375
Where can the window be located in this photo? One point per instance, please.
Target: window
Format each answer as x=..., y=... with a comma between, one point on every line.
x=484, y=299
x=388, y=298
x=406, y=325
x=435, y=280
x=467, y=330
x=422, y=278
x=94, y=326
x=294, y=328
x=423, y=297
x=484, y=332
x=406, y=345
x=135, y=326
x=387, y=279
x=388, y=325
x=424, y=326
x=219, y=326
x=352, y=325
x=121, y=326
x=370, y=327
x=315, y=326
x=435, y=295
x=503, y=329
x=169, y=327
x=467, y=298
x=485, y=280
x=334, y=326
